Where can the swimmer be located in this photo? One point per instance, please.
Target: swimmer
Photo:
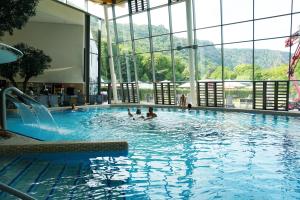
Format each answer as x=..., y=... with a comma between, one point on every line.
x=129, y=113
x=73, y=107
x=150, y=113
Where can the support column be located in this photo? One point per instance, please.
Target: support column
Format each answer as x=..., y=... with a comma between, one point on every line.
x=111, y=60
x=127, y=68
x=189, y=22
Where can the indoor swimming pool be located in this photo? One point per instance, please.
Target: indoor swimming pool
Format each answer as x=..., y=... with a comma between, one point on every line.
x=180, y=154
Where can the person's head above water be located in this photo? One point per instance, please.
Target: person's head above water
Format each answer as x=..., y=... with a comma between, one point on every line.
x=150, y=109
x=73, y=106
x=138, y=111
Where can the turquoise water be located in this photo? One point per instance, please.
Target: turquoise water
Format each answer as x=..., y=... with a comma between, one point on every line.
x=178, y=155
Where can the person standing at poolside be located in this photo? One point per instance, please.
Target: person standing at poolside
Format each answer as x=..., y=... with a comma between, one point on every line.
x=182, y=102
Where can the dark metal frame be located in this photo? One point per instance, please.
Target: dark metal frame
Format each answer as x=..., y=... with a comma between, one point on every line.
x=271, y=95
x=210, y=94
x=164, y=93
x=129, y=92
x=87, y=56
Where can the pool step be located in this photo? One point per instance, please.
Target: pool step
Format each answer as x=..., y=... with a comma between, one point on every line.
x=45, y=179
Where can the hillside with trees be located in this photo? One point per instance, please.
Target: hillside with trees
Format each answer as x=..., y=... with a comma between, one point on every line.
x=269, y=64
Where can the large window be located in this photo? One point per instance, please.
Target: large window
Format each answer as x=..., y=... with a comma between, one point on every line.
x=208, y=13
x=267, y=8
x=140, y=25
x=161, y=43
x=271, y=59
x=209, y=63
x=238, y=32
x=272, y=27
x=238, y=61
x=160, y=21
x=95, y=28
x=163, y=66
x=237, y=42
x=237, y=10
x=123, y=29
x=178, y=17
x=209, y=36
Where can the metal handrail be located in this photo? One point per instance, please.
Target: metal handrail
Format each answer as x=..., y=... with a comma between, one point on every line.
x=15, y=192
x=4, y=92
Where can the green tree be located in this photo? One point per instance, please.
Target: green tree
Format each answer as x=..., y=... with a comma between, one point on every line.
x=275, y=73
x=243, y=72
x=15, y=14
x=10, y=71
x=33, y=63
x=217, y=73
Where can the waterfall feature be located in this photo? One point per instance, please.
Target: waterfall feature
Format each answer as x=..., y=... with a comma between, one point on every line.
x=26, y=116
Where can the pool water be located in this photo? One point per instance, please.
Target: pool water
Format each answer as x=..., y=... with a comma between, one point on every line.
x=178, y=155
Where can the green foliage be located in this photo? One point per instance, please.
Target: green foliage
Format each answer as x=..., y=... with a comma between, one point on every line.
x=33, y=63
x=105, y=71
x=243, y=72
x=15, y=14
x=275, y=73
x=10, y=71
x=269, y=64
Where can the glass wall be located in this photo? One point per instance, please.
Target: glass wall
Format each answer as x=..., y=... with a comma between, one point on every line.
x=95, y=31
x=86, y=6
x=238, y=42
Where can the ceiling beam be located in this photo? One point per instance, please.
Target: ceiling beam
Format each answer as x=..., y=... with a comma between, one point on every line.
x=108, y=1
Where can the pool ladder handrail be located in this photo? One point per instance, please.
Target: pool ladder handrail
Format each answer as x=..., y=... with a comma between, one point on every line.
x=15, y=192
x=4, y=92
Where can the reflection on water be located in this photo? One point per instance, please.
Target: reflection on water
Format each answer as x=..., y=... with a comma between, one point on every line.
x=190, y=155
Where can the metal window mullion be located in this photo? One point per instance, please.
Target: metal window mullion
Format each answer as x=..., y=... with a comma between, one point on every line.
x=162, y=93
x=254, y=95
x=287, y=96
x=264, y=95
x=151, y=47
x=151, y=43
x=117, y=44
x=253, y=57
x=87, y=56
x=99, y=62
x=195, y=40
x=117, y=49
x=172, y=49
x=276, y=95
x=134, y=57
x=291, y=32
x=222, y=48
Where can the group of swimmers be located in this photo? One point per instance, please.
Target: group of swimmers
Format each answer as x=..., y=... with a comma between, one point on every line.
x=150, y=114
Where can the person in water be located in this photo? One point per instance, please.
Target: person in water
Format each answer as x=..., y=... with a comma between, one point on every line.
x=129, y=113
x=189, y=106
x=73, y=107
x=138, y=113
x=150, y=113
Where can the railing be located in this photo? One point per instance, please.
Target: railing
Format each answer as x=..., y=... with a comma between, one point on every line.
x=3, y=97
x=15, y=192
x=271, y=95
